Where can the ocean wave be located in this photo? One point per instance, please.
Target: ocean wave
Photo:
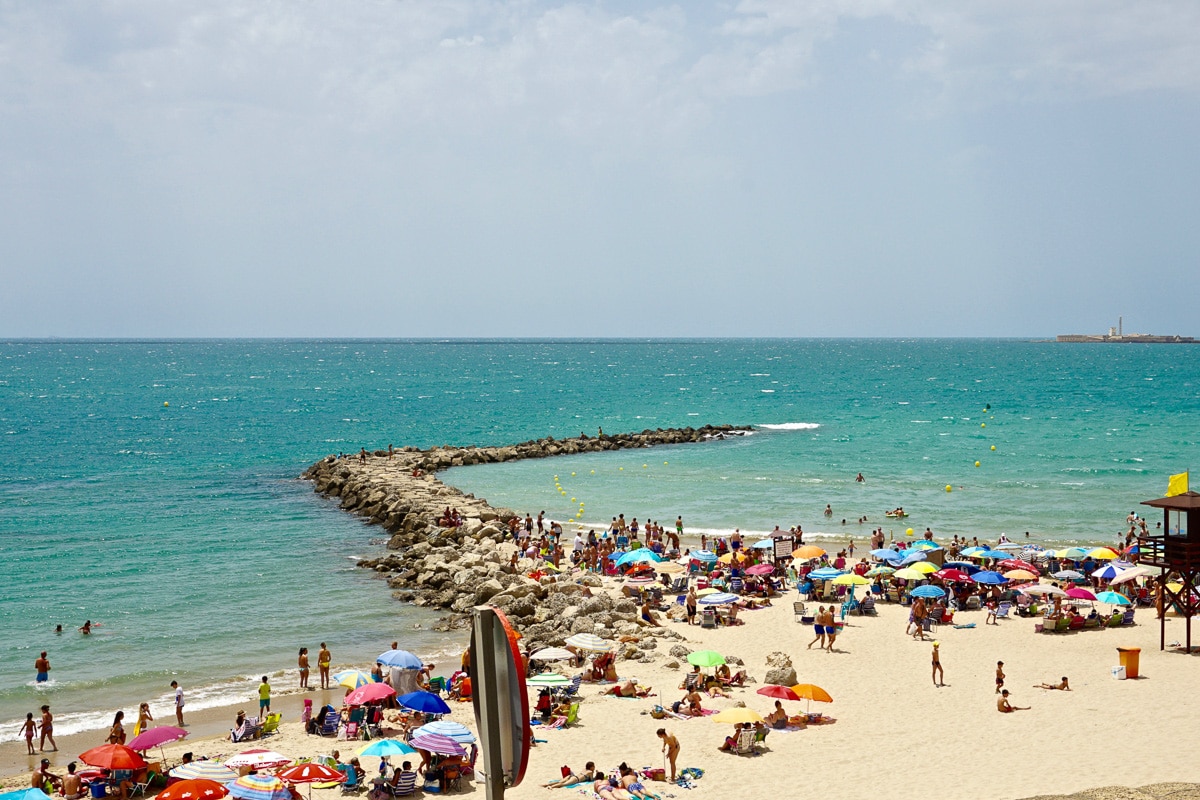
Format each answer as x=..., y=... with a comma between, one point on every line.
x=791, y=426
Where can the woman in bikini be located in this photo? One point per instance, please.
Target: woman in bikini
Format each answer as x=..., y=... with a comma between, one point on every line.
x=47, y=729
x=302, y=662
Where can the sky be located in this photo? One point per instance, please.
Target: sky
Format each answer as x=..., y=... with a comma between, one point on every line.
x=390, y=168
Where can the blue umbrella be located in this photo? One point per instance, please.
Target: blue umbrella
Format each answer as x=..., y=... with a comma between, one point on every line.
x=973, y=551
x=425, y=702
x=640, y=556
x=913, y=558
x=1107, y=572
x=387, y=747
x=993, y=554
x=444, y=727
x=765, y=544
x=1113, y=598
x=928, y=591
x=964, y=566
x=399, y=658
x=24, y=794
x=926, y=544
x=718, y=599
x=824, y=573
x=989, y=577
x=707, y=556
x=886, y=554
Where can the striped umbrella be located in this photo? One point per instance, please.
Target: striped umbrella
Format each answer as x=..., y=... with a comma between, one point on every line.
x=548, y=679
x=259, y=786
x=353, y=678
x=310, y=772
x=204, y=770
x=552, y=654
x=824, y=574
x=436, y=743
x=590, y=642
x=718, y=599
x=705, y=556
x=258, y=758
x=444, y=727
x=194, y=789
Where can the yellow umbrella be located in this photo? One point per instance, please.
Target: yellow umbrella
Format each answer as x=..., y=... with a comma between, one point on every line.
x=1020, y=575
x=1103, y=553
x=1174, y=587
x=850, y=579
x=738, y=715
x=708, y=591
x=909, y=574
x=670, y=567
x=924, y=567
x=729, y=557
x=806, y=552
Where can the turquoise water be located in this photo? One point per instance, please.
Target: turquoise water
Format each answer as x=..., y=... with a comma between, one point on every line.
x=183, y=530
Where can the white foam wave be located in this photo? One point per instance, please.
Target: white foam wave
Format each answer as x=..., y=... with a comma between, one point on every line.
x=791, y=426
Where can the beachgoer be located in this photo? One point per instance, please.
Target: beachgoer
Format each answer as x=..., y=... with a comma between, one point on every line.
x=648, y=616
x=670, y=748
x=828, y=510
x=302, y=662
x=1005, y=707
x=29, y=730
x=144, y=716
x=178, y=702
x=1000, y=676
x=939, y=678
x=47, y=729
x=1063, y=685
x=72, y=784
x=860, y=478
x=324, y=659
x=42, y=666
x=631, y=784
x=690, y=604
x=819, y=628
x=264, y=697
x=830, y=630
x=116, y=734
x=42, y=775
x=587, y=776
x=86, y=628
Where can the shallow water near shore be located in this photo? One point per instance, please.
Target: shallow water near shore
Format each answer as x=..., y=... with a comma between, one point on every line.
x=183, y=531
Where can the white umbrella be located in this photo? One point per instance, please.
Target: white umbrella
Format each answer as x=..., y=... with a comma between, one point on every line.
x=548, y=679
x=589, y=641
x=1129, y=574
x=1044, y=589
x=552, y=654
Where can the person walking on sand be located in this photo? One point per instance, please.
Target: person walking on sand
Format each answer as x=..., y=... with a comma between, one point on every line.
x=28, y=730
x=47, y=729
x=324, y=659
x=178, y=702
x=670, y=748
x=830, y=630
x=42, y=666
x=1000, y=676
x=939, y=678
x=303, y=664
x=144, y=716
x=116, y=734
x=1003, y=706
x=819, y=628
x=264, y=697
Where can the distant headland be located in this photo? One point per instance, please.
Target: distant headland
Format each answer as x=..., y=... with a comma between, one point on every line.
x=1117, y=335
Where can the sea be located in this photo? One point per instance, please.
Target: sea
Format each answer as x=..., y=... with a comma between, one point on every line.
x=153, y=487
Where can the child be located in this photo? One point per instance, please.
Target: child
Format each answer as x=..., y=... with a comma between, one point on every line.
x=999, y=676
x=28, y=729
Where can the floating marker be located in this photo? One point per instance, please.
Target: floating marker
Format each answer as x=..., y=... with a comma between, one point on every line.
x=908, y=532
x=593, y=472
x=165, y=404
x=993, y=447
x=620, y=469
x=949, y=488
x=572, y=499
x=665, y=463
x=643, y=466
x=572, y=474
x=983, y=424
x=977, y=463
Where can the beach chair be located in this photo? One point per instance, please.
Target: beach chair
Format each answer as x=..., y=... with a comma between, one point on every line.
x=351, y=786
x=572, y=689
x=745, y=742
x=798, y=610
x=708, y=618
x=1115, y=621
x=332, y=721
x=680, y=584
x=868, y=605
x=437, y=685
x=760, y=737
x=1127, y=617
x=1002, y=610
x=406, y=784
x=249, y=729
x=1091, y=622
x=973, y=602
x=935, y=617
x=1063, y=625
x=737, y=585
x=271, y=723
x=1076, y=623
x=572, y=715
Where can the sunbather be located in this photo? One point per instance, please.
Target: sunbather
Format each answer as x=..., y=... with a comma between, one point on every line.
x=631, y=784
x=1064, y=686
x=628, y=689
x=589, y=774
x=738, y=679
x=1004, y=707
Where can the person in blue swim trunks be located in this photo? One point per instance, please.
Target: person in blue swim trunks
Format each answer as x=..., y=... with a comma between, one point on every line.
x=42, y=665
x=819, y=629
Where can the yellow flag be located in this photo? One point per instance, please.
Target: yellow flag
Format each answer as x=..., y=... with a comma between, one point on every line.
x=1177, y=484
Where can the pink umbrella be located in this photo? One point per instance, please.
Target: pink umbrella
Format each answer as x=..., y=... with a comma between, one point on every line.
x=953, y=575
x=436, y=743
x=760, y=569
x=1016, y=563
x=369, y=693
x=156, y=737
x=1080, y=594
x=259, y=758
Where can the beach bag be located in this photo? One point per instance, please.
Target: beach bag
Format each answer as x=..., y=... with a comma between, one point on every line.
x=655, y=774
x=658, y=712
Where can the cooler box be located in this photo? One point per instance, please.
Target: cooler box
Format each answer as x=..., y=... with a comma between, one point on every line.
x=1129, y=660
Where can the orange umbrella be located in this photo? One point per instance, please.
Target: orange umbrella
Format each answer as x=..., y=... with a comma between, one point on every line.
x=806, y=552
x=809, y=692
x=113, y=756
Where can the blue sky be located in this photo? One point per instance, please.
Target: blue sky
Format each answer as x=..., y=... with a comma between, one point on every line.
x=762, y=168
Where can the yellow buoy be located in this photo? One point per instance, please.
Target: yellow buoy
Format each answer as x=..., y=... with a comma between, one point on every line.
x=665, y=463
x=977, y=463
x=572, y=474
x=908, y=532
x=620, y=469
x=983, y=424
x=993, y=447
x=165, y=404
x=643, y=466
x=593, y=472
x=948, y=488
x=572, y=499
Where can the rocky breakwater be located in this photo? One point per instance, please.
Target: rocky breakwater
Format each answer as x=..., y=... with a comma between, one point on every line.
x=455, y=568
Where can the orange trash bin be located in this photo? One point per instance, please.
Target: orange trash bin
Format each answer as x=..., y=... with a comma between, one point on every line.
x=1129, y=660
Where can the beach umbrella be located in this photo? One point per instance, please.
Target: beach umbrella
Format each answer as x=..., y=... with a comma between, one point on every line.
x=972, y=552
x=551, y=679
x=1043, y=589
x=913, y=558
x=765, y=544
x=1102, y=553
x=1017, y=563
x=952, y=575
x=644, y=580
x=705, y=658
x=1079, y=593
x=642, y=555
x=353, y=678
x=1009, y=546
x=369, y=693
x=989, y=577
x=193, y=789
x=258, y=758
x=113, y=756
x=926, y=544
x=760, y=569
x=1071, y=553
x=719, y=599
x=824, y=574
x=669, y=567
x=444, y=727
x=995, y=554
x=968, y=567
x=807, y=552
x=887, y=554
x=1068, y=575
x=25, y=794
x=1113, y=598
x=1130, y=574
x=435, y=743
x=387, y=747
x=156, y=737
x=425, y=702
x=707, y=591
x=204, y=770
x=1020, y=575
x=311, y=772
x=590, y=642
x=809, y=692
x=705, y=556
x=928, y=591
x=402, y=659
x=259, y=786
x=729, y=558
x=875, y=572
x=924, y=567
x=738, y=715
x=1107, y=572
x=552, y=654
x=909, y=574
x=850, y=579
x=778, y=692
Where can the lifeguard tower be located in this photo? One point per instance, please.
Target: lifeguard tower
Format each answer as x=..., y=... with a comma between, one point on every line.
x=1177, y=552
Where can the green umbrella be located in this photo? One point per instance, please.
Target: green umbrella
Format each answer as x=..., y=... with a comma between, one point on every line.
x=706, y=658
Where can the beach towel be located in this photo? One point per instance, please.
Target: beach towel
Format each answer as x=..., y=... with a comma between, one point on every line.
x=966, y=625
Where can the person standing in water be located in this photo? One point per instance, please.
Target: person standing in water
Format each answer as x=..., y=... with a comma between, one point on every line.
x=178, y=702
x=324, y=659
x=303, y=664
x=42, y=666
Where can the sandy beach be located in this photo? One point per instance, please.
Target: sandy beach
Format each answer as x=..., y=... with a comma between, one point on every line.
x=888, y=714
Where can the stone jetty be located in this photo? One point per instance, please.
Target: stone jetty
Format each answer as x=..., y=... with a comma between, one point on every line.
x=455, y=568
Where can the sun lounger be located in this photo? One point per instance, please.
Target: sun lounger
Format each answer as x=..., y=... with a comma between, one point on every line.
x=1002, y=610
x=1115, y=621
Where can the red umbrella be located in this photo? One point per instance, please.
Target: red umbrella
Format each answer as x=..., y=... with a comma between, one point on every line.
x=1016, y=563
x=760, y=569
x=195, y=789
x=113, y=756
x=369, y=693
x=781, y=692
x=310, y=772
x=953, y=575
